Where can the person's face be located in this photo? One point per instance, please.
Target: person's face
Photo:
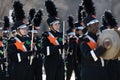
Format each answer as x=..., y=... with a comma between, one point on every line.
x=80, y=32
x=74, y=29
x=93, y=28
x=56, y=26
x=23, y=31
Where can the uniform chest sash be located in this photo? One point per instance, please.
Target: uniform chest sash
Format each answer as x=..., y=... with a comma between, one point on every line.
x=1, y=44
x=20, y=45
x=92, y=44
x=53, y=39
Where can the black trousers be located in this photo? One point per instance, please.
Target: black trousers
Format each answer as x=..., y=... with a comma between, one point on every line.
x=93, y=72
x=72, y=65
x=54, y=68
x=113, y=69
x=37, y=68
x=2, y=75
x=21, y=71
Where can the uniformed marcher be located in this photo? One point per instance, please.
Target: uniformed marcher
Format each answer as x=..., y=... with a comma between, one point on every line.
x=37, y=61
x=80, y=35
x=113, y=67
x=71, y=61
x=19, y=47
x=5, y=32
x=80, y=32
x=2, y=59
x=52, y=45
x=92, y=65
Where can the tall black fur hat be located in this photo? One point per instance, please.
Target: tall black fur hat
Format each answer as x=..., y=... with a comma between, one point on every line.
x=52, y=12
x=104, y=21
x=91, y=14
x=80, y=13
x=37, y=18
x=104, y=24
x=18, y=10
x=31, y=15
x=6, y=24
x=19, y=15
x=70, y=23
x=110, y=19
x=79, y=23
x=36, y=21
x=13, y=16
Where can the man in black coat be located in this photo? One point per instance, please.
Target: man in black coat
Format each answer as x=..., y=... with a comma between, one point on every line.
x=92, y=65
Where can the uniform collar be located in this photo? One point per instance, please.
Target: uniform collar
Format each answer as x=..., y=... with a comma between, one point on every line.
x=93, y=36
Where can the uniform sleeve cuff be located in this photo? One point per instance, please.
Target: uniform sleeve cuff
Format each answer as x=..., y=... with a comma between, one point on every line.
x=48, y=50
x=93, y=55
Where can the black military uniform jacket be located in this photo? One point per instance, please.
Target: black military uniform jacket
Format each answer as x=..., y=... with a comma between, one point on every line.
x=78, y=50
x=2, y=59
x=53, y=46
x=37, y=48
x=92, y=65
x=18, y=55
x=14, y=45
x=90, y=52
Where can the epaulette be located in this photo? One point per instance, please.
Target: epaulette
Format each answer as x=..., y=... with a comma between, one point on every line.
x=45, y=34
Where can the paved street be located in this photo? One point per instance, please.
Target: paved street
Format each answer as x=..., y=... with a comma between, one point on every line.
x=44, y=76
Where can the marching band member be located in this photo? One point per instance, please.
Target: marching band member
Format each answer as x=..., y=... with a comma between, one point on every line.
x=113, y=67
x=2, y=59
x=92, y=65
x=19, y=47
x=34, y=26
x=72, y=54
x=52, y=45
x=80, y=31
